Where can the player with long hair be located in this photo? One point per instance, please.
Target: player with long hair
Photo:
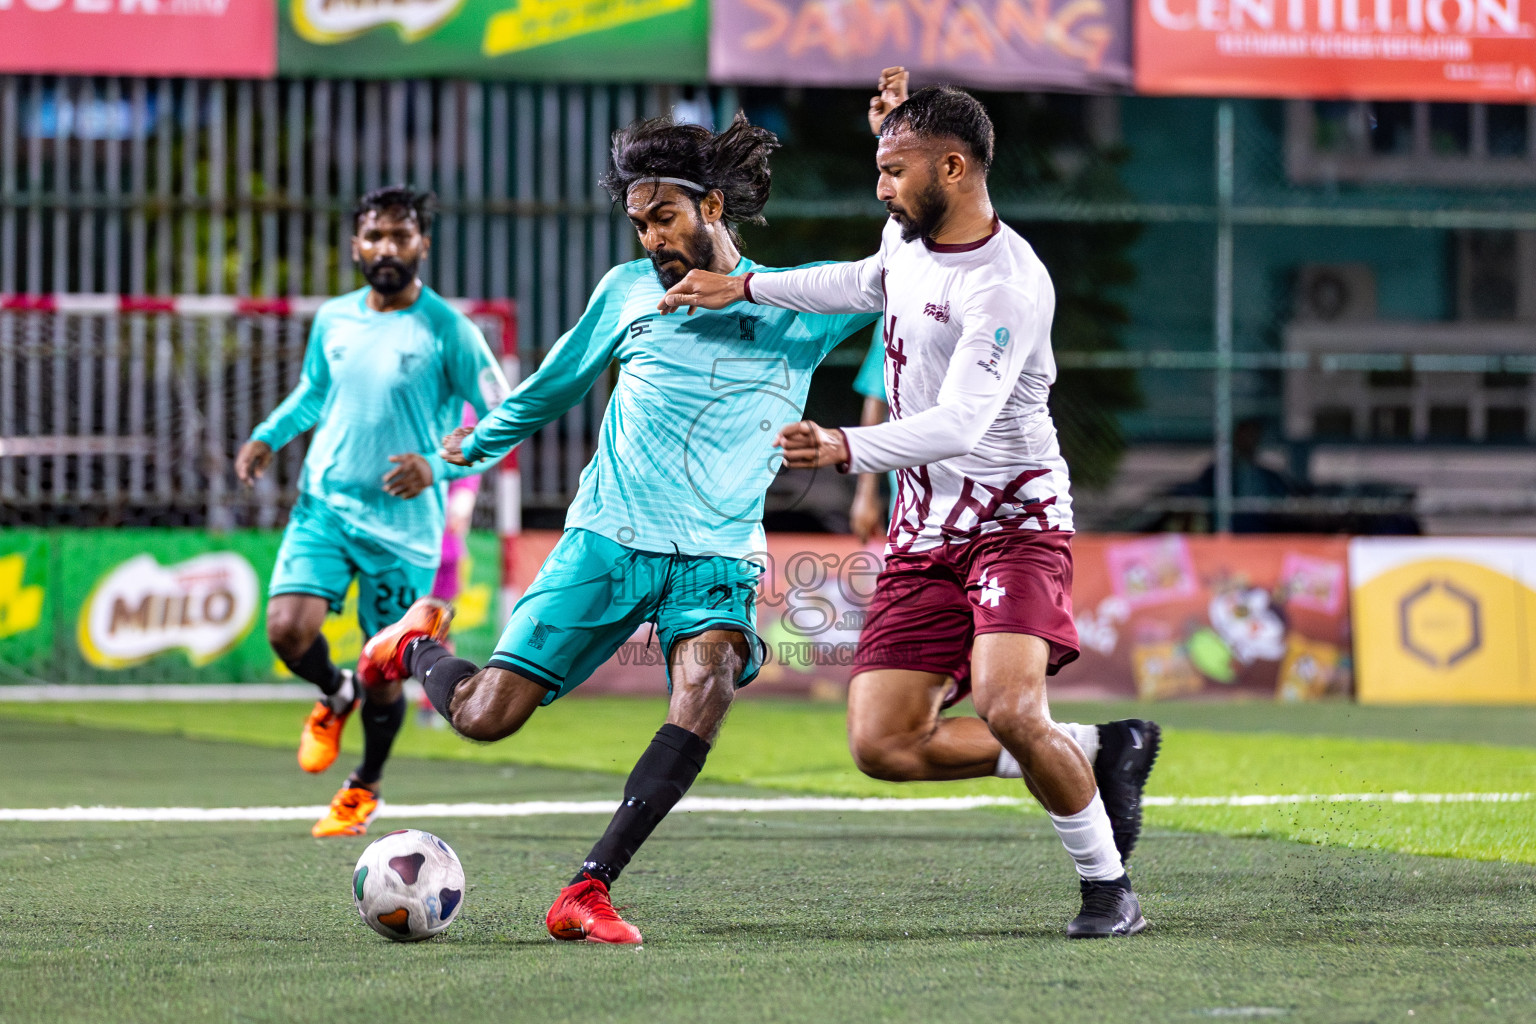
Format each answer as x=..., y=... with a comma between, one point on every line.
x=668, y=514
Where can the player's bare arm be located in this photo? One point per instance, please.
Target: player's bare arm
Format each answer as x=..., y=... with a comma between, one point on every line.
x=452, y=450
x=891, y=92
x=412, y=475
x=252, y=461
x=809, y=445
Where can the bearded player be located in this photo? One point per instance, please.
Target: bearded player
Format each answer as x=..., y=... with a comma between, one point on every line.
x=387, y=372
x=977, y=581
x=668, y=513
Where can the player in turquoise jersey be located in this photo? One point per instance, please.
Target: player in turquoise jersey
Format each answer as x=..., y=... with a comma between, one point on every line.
x=866, y=516
x=387, y=372
x=668, y=513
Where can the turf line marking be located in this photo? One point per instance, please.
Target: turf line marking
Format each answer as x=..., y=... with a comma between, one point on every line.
x=725, y=805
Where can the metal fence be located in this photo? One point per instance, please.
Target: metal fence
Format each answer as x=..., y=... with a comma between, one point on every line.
x=159, y=187
x=1422, y=411
x=112, y=413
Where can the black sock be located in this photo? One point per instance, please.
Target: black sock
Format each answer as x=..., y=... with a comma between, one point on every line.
x=381, y=723
x=659, y=780
x=315, y=665
x=440, y=672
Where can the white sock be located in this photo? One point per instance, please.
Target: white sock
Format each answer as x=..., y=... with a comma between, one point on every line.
x=345, y=694
x=1008, y=766
x=1090, y=842
x=1086, y=736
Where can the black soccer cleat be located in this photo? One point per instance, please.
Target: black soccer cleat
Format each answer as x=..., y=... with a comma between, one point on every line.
x=1127, y=750
x=1109, y=909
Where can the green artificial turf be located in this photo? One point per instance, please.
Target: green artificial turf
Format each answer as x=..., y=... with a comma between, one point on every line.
x=800, y=747
x=930, y=916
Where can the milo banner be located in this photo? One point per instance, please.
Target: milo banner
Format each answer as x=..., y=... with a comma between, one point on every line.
x=544, y=40
x=1168, y=615
x=1443, y=620
x=992, y=44
x=171, y=606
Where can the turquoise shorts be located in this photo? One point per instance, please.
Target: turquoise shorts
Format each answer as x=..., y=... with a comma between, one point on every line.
x=593, y=594
x=320, y=554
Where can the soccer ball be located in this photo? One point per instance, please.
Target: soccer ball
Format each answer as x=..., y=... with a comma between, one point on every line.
x=408, y=885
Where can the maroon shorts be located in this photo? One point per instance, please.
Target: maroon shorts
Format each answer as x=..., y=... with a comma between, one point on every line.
x=930, y=605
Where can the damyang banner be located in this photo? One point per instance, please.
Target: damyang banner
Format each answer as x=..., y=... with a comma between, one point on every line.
x=1456, y=50
x=190, y=38
x=1444, y=620
x=992, y=44
x=545, y=40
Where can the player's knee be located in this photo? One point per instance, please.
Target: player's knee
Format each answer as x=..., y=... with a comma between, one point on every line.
x=884, y=757
x=1023, y=723
x=288, y=634
x=482, y=710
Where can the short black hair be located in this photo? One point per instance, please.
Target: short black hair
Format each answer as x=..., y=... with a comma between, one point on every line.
x=735, y=161
x=944, y=112
x=420, y=204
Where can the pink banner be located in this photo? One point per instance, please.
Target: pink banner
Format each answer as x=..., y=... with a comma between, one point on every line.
x=1158, y=616
x=1081, y=45
x=203, y=38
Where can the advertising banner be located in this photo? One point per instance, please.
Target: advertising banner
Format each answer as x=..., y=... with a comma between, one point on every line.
x=544, y=40
x=990, y=44
x=1444, y=620
x=1167, y=615
x=203, y=38
x=1481, y=51
x=175, y=606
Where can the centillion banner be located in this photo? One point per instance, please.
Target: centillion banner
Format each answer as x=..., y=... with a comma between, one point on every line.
x=560, y=40
x=1444, y=620
x=1481, y=51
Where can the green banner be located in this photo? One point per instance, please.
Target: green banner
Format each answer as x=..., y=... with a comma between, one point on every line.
x=176, y=606
x=543, y=40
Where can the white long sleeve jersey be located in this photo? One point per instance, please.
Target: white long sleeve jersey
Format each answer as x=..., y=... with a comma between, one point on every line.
x=968, y=372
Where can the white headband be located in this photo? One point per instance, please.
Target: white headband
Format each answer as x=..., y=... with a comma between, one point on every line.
x=680, y=182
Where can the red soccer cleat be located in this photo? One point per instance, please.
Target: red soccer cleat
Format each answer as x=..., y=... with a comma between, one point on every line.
x=583, y=911
x=382, y=656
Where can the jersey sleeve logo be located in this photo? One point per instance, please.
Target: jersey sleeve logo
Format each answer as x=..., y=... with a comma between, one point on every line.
x=1000, y=339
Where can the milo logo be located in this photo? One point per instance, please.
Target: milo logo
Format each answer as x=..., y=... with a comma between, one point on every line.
x=204, y=606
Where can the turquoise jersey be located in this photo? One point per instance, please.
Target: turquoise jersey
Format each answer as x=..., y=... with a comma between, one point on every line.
x=382, y=384
x=870, y=380
x=685, y=453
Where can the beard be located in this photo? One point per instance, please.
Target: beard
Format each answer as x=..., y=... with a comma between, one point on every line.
x=703, y=255
x=926, y=212
x=389, y=276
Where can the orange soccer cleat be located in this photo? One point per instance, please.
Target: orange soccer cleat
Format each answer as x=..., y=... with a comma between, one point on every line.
x=351, y=809
x=583, y=911
x=381, y=660
x=320, y=741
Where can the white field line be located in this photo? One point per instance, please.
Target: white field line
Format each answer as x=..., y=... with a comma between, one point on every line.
x=727, y=805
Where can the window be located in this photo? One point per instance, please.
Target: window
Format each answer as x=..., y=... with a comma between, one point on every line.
x=1448, y=423
x=1392, y=423
x=1505, y=424
x=1411, y=143
x=1389, y=378
x=1333, y=423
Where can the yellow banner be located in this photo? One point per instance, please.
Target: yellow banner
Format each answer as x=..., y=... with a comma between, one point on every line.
x=541, y=22
x=1444, y=621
